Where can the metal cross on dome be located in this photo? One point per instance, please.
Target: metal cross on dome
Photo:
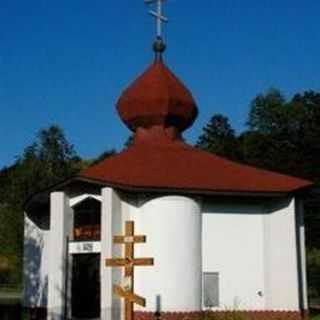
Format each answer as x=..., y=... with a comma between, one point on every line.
x=158, y=15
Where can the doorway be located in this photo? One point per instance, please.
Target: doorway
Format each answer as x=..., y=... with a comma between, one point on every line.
x=85, y=288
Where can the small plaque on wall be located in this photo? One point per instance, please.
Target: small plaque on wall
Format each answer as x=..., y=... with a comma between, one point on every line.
x=80, y=247
x=87, y=246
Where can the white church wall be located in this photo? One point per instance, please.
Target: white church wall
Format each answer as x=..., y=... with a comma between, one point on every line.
x=250, y=247
x=172, y=225
x=281, y=268
x=35, y=264
x=232, y=246
x=129, y=209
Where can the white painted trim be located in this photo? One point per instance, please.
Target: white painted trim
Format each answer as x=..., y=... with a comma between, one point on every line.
x=60, y=213
x=84, y=247
x=78, y=199
x=110, y=224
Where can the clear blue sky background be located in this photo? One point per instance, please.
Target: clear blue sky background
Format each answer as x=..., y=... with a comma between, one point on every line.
x=66, y=62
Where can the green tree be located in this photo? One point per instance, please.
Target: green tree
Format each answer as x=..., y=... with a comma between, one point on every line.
x=58, y=155
x=50, y=159
x=313, y=266
x=268, y=112
x=304, y=132
x=219, y=137
x=268, y=142
x=284, y=135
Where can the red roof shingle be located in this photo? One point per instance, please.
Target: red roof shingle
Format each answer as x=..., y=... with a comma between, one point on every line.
x=179, y=166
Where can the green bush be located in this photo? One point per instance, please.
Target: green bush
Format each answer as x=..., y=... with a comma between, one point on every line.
x=313, y=269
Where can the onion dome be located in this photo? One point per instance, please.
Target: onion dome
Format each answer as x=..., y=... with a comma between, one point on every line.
x=157, y=98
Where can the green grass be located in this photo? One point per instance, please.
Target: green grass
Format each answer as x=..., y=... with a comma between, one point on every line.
x=10, y=289
x=314, y=314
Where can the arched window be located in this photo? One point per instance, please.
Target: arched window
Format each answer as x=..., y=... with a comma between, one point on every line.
x=87, y=221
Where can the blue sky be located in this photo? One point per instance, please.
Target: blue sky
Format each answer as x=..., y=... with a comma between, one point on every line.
x=66, y=62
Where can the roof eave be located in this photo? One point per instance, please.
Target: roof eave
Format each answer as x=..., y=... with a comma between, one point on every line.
x=131, y=188
x=191, y=191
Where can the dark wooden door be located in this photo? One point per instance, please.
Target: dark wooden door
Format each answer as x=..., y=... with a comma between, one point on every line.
x=85, y=298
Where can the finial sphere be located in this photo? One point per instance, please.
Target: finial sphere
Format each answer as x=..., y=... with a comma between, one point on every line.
x=159, y=46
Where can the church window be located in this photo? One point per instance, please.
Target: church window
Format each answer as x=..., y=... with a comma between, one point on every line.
x=87, y=221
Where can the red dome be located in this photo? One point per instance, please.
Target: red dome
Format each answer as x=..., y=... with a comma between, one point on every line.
x=157, y=97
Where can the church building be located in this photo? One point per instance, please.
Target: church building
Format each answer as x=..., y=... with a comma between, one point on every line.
x=224, y=236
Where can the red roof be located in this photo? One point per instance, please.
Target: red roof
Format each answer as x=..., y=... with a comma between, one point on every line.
x=177, y=165
x=157, y=107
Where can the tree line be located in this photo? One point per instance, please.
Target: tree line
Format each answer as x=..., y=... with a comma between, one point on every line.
x=280, y=134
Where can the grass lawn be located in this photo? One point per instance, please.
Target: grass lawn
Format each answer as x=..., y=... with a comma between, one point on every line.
x=10, y=295
x=315, y=314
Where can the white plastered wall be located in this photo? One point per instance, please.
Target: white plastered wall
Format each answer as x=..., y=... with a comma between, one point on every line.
x=253, y=247
x=233, y=246
x=280, y=253
x=35, y=265
x=240, y=241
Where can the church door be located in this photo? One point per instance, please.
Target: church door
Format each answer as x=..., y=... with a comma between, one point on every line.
x=85, y=301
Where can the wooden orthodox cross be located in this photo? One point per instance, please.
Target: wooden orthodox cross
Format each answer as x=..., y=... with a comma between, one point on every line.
x=129, y=262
